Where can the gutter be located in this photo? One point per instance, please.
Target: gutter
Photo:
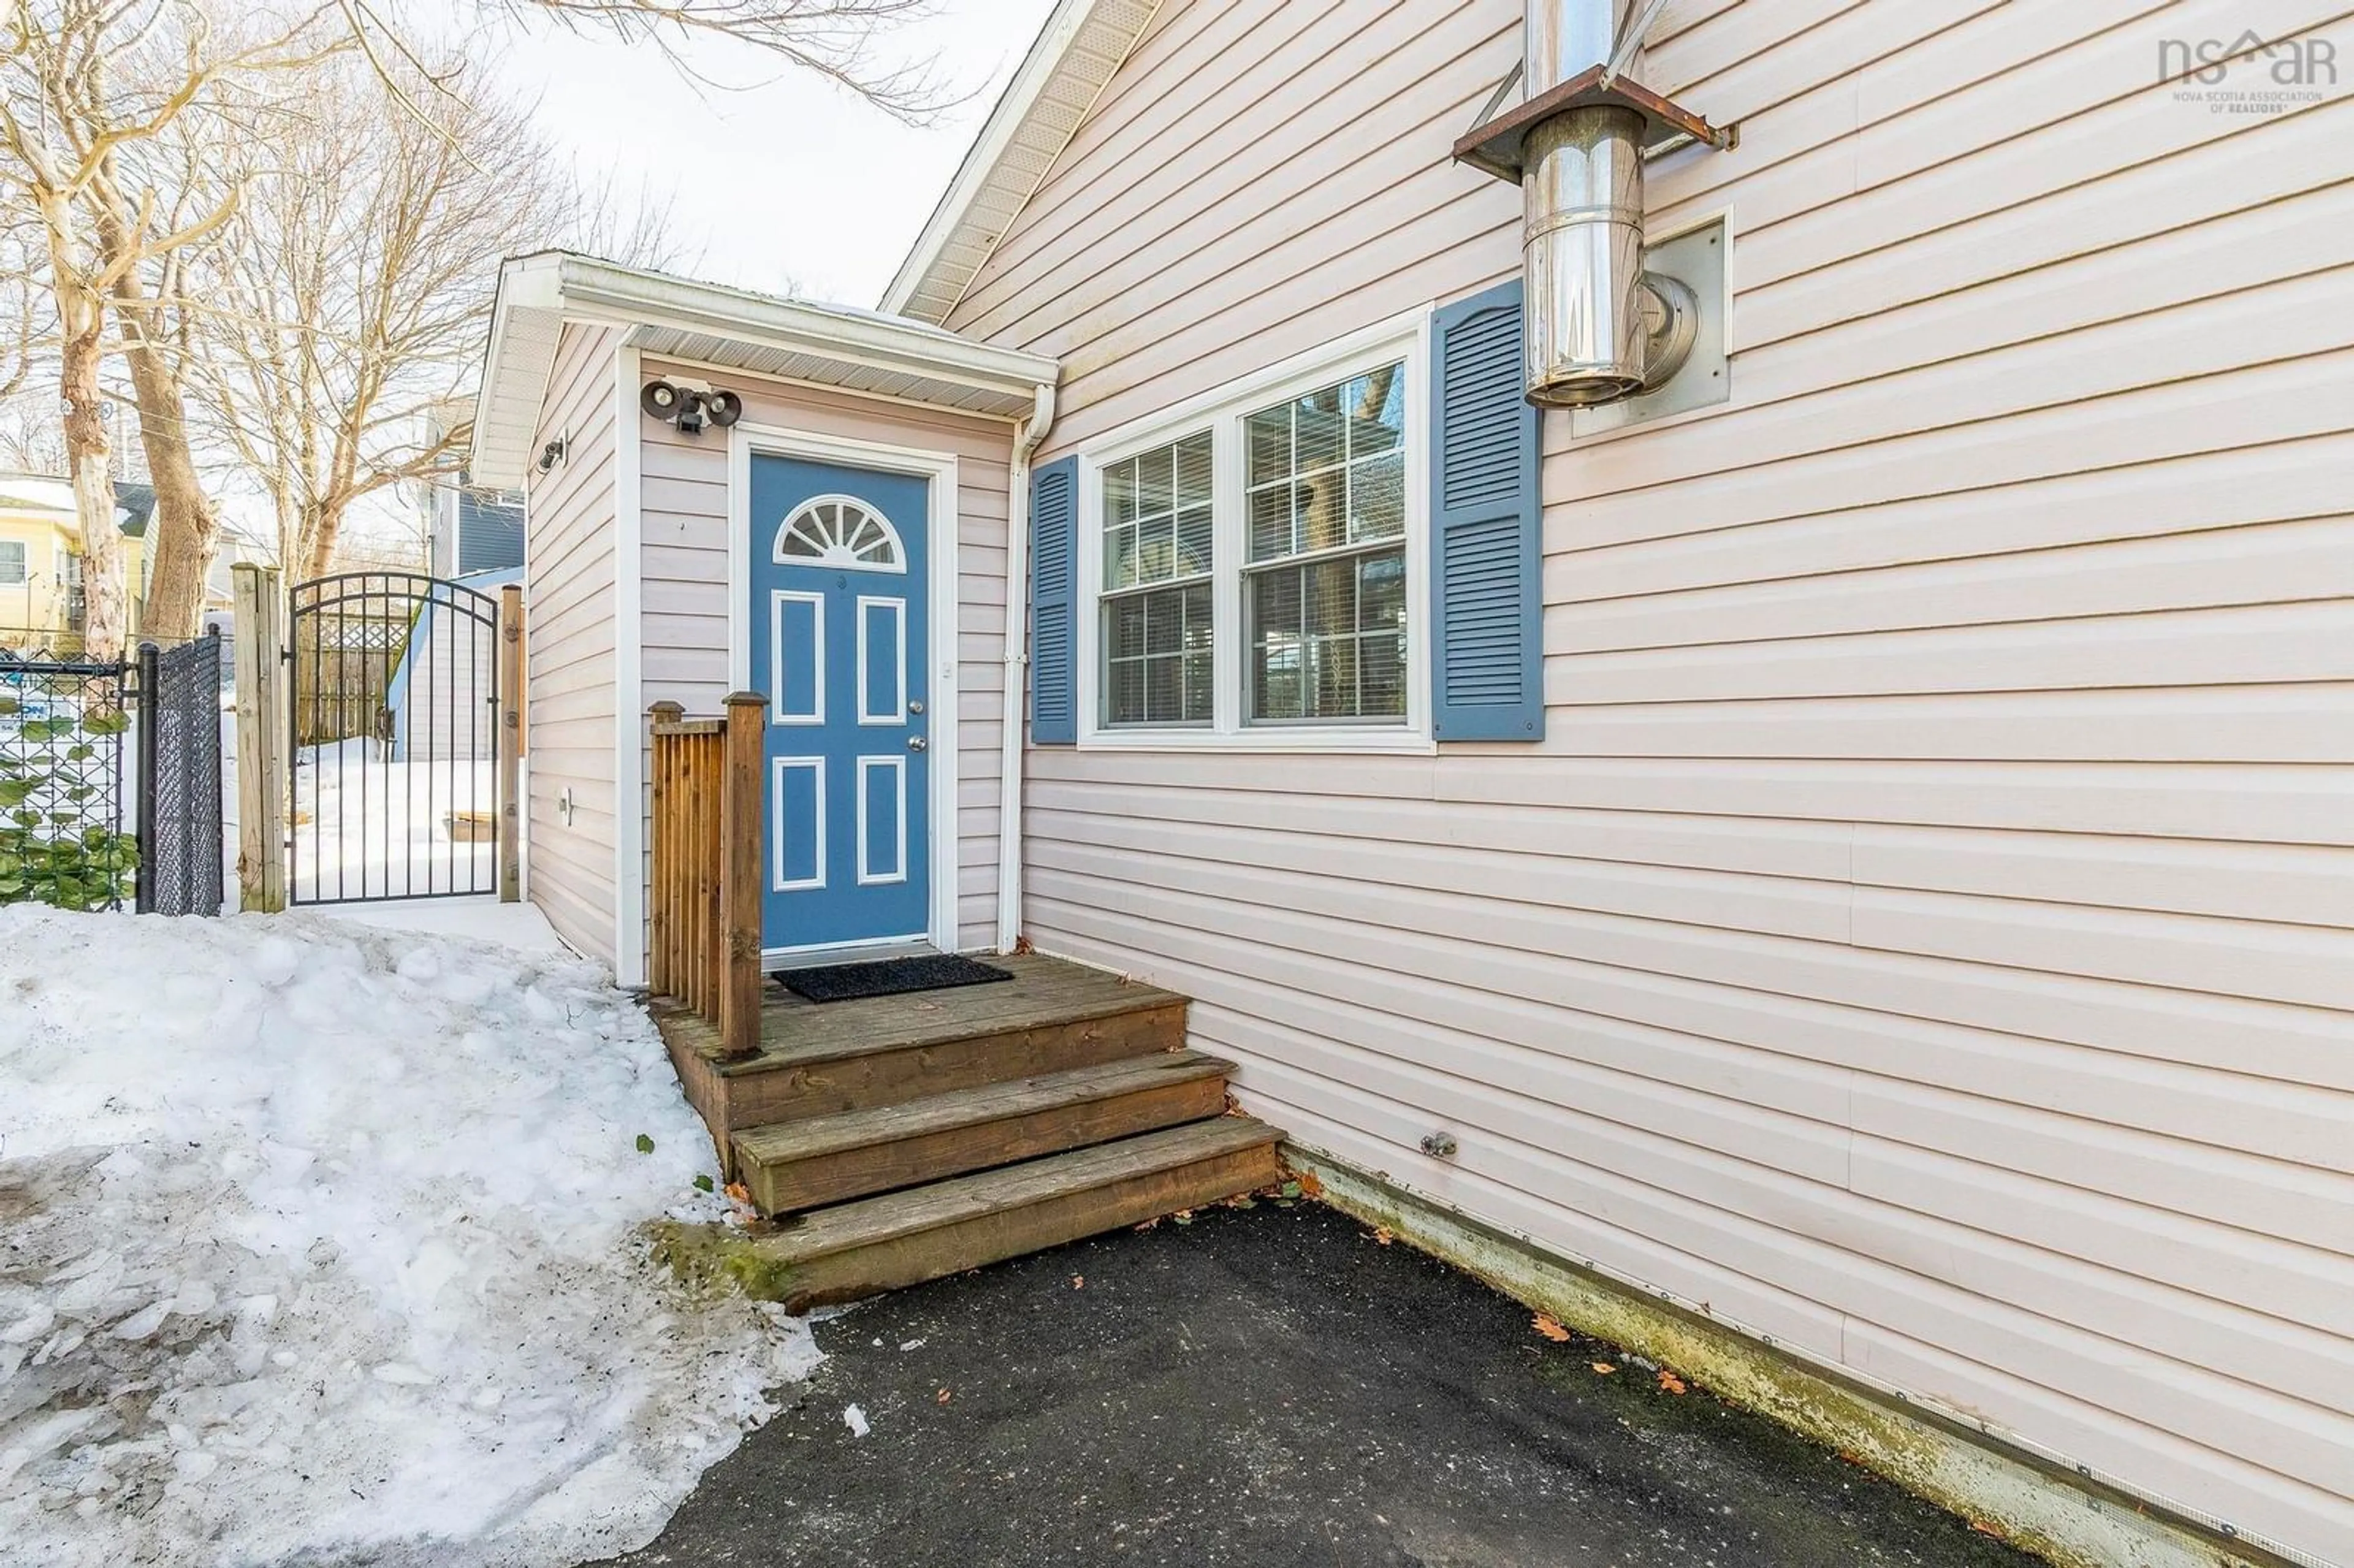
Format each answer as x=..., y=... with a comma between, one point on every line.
x=1027, y=438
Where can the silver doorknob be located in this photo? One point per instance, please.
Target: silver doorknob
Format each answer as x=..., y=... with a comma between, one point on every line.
x=917, y=743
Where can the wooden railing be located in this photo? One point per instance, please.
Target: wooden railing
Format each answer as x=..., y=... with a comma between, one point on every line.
x=704, y=894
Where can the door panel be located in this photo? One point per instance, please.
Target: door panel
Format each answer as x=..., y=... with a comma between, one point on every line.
x=841, y=631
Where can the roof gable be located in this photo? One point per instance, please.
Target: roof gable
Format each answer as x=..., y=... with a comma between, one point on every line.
x=1082, y=45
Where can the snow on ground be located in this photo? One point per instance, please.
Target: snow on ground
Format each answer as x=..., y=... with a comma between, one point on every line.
x=483, y=920
x=318, y=1243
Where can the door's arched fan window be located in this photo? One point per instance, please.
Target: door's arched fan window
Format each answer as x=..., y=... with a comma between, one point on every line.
x=839, y=531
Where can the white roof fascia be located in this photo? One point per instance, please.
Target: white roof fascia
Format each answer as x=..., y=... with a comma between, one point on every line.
x=1052, y=64
x=577, y=288
x=510, y=372
x=625, y=296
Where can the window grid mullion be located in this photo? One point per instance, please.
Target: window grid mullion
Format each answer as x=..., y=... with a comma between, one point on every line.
x=1106, y=596
x=1230, y=528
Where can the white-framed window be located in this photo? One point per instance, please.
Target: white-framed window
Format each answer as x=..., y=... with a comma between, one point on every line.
x=13, y=563
x=1254, y=560
x=1156, y=620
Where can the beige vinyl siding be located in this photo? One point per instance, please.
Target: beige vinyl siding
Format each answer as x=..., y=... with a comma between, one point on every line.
x=568, y=548
x=684, y=521
x=1926, y=933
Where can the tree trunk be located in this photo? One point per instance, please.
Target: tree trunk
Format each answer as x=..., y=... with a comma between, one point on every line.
x=81, y=325
x=105, y=620
x=323, y=523
x=184, y=533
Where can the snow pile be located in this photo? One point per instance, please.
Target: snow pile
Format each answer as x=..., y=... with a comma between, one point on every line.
x=320, y=1242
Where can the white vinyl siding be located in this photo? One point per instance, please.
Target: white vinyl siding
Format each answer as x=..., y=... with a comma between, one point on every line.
x=1925, y=935
x=568, y=547
x=685, y=543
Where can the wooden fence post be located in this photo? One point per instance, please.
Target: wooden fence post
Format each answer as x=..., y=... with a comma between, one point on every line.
x=740, y=855
x=511, y=742
x=261, y=739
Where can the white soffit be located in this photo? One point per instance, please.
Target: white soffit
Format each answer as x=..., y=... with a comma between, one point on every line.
x=1082, y=43
x=666, y=317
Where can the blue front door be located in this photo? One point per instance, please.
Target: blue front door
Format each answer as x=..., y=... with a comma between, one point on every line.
x=841, y=643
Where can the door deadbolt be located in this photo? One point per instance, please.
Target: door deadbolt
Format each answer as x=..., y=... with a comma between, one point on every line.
x=915, y=707
x=917, y=743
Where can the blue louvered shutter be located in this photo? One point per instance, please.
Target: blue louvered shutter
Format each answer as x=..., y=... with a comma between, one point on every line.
x=1054, y=603
x=1488, y=647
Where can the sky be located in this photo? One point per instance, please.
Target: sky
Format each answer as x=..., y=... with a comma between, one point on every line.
x=775, y=179
x=771, y=177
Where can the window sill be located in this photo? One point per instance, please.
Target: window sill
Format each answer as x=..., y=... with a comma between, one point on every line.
x=1388, y=740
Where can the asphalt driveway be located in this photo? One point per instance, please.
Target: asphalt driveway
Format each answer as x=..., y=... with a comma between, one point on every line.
x=1270, y=1388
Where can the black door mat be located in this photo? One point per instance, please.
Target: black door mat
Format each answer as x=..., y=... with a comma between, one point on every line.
x=888, y=977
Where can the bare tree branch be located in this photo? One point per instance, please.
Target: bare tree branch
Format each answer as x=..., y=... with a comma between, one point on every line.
x=342, y=312
x=838, y=40
x=83, y=85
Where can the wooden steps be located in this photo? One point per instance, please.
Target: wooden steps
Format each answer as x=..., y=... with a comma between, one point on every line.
x=901, y=1138
x=789, y=1166
x=855, y=1250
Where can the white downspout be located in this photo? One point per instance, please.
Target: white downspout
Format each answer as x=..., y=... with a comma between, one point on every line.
x=1027, y=437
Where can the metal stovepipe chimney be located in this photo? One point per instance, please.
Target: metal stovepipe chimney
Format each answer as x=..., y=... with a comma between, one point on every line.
x=1583, y=184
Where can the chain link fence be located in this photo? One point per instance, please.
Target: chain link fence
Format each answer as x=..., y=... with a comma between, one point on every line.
x=111, y=777
x=62, y=726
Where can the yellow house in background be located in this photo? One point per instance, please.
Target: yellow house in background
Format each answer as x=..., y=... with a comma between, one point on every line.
x=41, y=559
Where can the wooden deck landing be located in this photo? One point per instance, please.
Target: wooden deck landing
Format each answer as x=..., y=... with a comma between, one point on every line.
x=816, y=1059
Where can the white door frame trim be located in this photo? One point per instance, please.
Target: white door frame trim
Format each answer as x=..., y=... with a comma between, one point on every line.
x=944, y=730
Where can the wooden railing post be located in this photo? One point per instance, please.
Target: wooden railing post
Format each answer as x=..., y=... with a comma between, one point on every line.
x=511, y=742
x=670, y=852
x=741, y=853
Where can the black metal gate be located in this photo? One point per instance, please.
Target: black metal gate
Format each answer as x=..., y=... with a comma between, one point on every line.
x=180, y=853
x=396, y=739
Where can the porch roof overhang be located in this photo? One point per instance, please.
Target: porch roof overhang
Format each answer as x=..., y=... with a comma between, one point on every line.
x=1082, y=44
x=841, y=346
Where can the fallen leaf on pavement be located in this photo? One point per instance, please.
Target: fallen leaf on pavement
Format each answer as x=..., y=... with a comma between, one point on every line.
x=1604, y=1368
x=944, y=1396
x=1078, y=1282
x=1310, y=1187
x=1670, y=1381
x=1382, y=1236
x=1550, y=1329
